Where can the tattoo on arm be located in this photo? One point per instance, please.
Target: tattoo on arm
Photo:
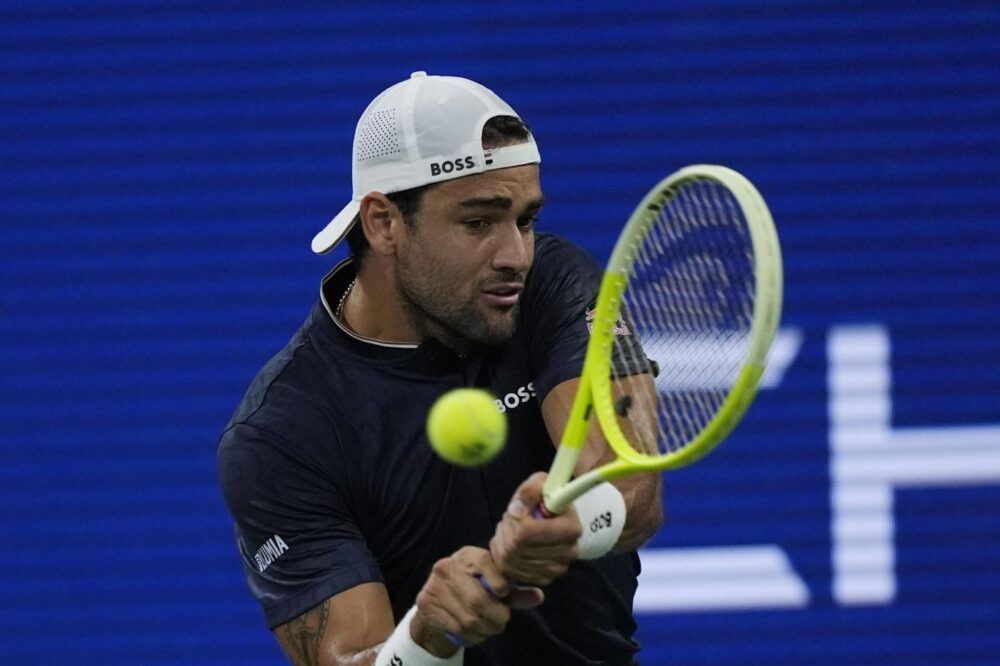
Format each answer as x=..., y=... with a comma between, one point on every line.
x=301, y=638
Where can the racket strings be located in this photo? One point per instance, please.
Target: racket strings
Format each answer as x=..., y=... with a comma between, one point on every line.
x=687, y=313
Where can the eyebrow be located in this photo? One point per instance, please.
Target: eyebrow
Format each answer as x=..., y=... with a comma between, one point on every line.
x=499, y=202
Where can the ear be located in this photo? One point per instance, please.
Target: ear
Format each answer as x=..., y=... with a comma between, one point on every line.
x=382, y=223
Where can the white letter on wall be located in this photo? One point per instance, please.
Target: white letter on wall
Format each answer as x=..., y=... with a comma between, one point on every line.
x=868, y=459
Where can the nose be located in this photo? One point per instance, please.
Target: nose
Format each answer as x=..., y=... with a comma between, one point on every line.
x=514, y=250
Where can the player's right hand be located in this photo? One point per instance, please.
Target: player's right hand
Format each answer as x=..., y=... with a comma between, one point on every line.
x=454, y=600
x=531, y=550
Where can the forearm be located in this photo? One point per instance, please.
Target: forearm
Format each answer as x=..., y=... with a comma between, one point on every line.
x=348, y=629
x=303, y=641
x=644, y=510
x=303, y=645
x=641, y=492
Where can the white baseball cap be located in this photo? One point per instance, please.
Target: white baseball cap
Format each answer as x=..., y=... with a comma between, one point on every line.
x=423, y=130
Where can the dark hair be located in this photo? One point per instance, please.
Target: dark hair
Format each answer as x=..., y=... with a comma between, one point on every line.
x=498, y=131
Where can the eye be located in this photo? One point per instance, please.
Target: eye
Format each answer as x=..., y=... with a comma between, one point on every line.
x=476, y=224
x=527, y=223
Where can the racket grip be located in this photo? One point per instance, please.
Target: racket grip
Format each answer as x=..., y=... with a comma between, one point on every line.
x=457, y=640
x=542, y=513
x=539, y=512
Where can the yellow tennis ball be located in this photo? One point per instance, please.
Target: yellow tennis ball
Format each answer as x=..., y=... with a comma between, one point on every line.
x=465, y=427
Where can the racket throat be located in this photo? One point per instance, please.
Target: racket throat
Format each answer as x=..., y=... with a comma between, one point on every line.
x=559, y=475
x=562, y=496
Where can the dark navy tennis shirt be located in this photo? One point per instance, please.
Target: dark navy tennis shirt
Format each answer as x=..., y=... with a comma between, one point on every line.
x=327, y=471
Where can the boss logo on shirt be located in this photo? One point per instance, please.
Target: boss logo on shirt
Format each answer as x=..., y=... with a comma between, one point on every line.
x=448, y=166
x=516, y=398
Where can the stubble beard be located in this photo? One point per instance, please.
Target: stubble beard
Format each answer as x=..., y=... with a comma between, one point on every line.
x=429, y=300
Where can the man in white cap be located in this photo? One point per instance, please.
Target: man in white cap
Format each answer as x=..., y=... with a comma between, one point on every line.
x=361, y=545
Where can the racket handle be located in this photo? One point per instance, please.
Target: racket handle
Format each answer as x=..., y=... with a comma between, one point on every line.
x=457, y=640
x=542, y=513
x=539, y=513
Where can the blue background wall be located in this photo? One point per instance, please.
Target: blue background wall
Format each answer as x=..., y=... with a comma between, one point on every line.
x=164, y=166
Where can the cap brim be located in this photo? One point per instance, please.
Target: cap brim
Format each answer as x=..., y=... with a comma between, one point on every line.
x=334, y=232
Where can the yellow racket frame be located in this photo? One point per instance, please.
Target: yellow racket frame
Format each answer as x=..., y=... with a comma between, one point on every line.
x=595, y=390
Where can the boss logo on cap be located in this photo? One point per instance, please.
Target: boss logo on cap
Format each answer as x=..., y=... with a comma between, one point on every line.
x=448, y=166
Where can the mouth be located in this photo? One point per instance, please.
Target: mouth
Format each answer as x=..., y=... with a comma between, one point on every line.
x=503, y=295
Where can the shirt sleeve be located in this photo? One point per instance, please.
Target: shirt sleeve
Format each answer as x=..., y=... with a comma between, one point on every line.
x=563, y=298
x=563, y=290
x=296, y=534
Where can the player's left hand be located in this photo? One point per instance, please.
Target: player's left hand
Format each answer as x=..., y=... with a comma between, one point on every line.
x=529, y=550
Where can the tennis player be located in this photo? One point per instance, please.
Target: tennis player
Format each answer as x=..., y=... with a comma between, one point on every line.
x=361, y=545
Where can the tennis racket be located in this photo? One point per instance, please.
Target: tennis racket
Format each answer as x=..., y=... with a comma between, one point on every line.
x=685, y=316
x=686, y=312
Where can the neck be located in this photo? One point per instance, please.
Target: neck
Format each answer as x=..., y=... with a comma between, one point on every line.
x=372, y=308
